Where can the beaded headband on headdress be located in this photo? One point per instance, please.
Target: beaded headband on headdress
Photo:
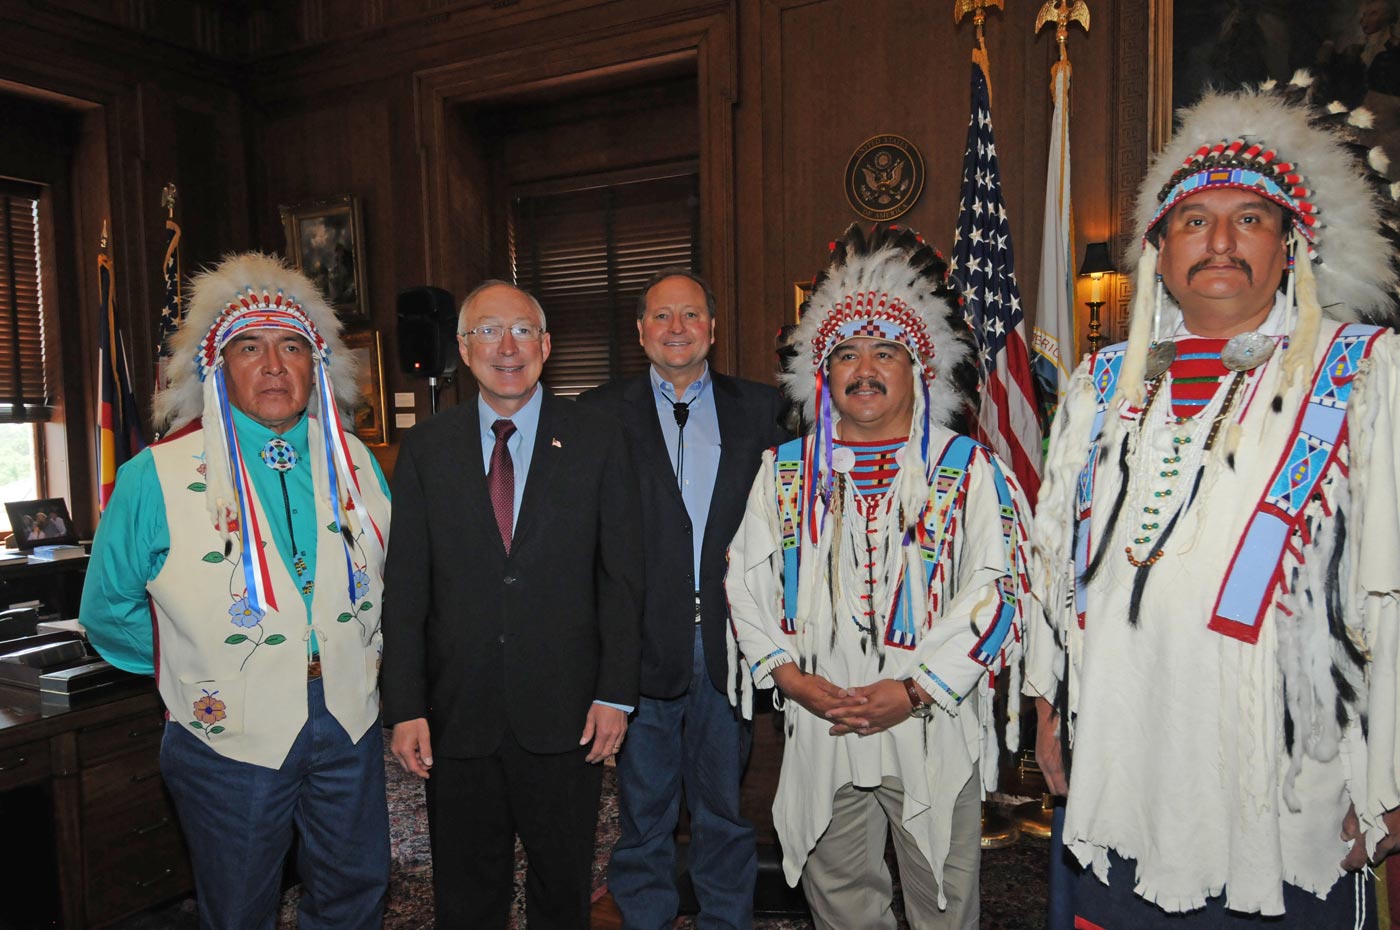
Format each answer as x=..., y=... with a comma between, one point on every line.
x=253, y=310
x=1242, y=166
x=875, y=315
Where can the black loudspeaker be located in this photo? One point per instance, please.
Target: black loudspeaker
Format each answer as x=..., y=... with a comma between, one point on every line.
x=427, y=332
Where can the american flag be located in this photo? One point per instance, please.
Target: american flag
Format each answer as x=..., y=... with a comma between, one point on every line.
x=171, y=313
x=985, y=276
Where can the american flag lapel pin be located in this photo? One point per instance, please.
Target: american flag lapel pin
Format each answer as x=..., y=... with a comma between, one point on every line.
x=556, y=444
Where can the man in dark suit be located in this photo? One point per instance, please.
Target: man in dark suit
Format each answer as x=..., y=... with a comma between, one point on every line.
x=696, y=438
x=511, y=644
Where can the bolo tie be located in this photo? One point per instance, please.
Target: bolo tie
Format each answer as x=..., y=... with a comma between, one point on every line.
x=279, y=456
x=681, y=411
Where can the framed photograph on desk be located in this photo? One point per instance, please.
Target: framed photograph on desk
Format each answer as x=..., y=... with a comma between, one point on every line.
x=41, y=523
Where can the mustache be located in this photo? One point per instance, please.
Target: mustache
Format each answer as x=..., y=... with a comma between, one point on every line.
x=863, y=384
x=1231, y=260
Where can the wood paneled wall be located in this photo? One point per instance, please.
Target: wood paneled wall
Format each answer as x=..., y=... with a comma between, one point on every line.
x=150, y=96
x=261, y=103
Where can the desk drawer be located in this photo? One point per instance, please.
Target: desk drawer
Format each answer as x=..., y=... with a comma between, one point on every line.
x=113, y=830
x=112, y=784
x=25, y=764
x=141, y=732
x=133, y=851
x=149, y=869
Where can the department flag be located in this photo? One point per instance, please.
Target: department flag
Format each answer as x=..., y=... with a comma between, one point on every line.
x=120, y=430
x=1053, y=337
x=984, y=273
x=172, y=311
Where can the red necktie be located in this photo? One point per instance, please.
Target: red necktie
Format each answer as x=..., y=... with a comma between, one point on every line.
x=500, y=481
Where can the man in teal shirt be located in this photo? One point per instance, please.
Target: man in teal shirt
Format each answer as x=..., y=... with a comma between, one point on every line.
x=266, y=657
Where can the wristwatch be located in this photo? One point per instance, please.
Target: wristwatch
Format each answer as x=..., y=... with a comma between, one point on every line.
x=918, y=706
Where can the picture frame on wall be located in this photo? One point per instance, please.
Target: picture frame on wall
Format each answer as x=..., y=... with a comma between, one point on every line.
x=326, y=242
x=368, y=415
x=1350, y=48
x=801, y=290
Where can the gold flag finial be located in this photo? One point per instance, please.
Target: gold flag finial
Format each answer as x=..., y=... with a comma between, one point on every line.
x=1062, y=13
x=978, y=9
x=167, y=198
x=102, y=243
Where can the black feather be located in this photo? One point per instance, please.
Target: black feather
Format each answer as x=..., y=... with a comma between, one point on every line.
x=1333, y=593
x=1287, y=722
x=1092, y=571
x=1062, y=708
x=1140, y=576
x=1346, y=691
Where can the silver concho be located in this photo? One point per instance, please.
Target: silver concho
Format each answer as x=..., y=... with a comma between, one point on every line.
x=1159, y=359
x=1247, y=351
x=842, y=459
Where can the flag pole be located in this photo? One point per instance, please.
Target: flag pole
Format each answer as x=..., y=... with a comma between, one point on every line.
x=172, y=309
x=1054, y=335
x=978, y=9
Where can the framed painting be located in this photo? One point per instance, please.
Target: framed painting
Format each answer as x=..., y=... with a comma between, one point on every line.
x=368, y=415
x=326, y=242
x=1351, y=47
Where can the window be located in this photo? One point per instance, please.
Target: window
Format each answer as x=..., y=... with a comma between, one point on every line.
x=24, y=393
x=585, y=254
x=19, y=473
x=24, y=390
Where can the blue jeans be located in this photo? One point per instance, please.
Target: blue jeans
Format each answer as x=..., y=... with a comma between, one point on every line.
x=695, y=742
x=238, y=820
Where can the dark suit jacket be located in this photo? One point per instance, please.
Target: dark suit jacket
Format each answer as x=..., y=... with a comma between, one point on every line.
x=476, y=641
x=748, y=423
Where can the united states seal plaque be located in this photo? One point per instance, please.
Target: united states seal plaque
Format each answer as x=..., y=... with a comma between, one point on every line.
x=884, y=177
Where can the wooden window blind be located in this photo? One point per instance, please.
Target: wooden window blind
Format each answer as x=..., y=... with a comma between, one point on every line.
x=585, y=255
x=24, y=392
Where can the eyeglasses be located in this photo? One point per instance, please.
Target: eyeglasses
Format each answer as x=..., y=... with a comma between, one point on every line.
x=520, y=332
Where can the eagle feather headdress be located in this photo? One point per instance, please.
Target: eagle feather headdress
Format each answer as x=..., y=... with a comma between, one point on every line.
x=1313, y=161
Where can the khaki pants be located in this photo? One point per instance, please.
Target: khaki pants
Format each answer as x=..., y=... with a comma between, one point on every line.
x=847, y=883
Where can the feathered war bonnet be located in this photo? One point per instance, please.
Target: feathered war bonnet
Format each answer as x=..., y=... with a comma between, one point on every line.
x=891, y=286
x=242, y=293
x=1276, y=141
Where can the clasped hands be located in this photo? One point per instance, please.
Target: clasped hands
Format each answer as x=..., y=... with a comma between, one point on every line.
x=864, y=710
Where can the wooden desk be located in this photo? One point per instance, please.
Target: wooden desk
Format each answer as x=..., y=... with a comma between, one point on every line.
x=116, y=841
x=58, y=584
